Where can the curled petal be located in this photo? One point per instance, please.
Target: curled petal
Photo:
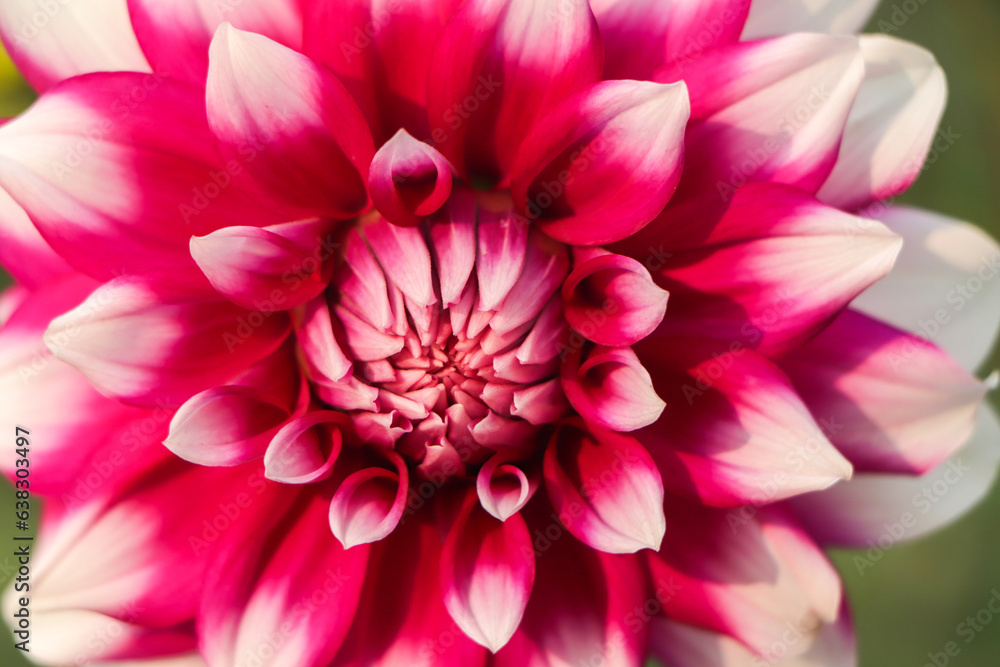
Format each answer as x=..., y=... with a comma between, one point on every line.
x=612, y=300
x=408, y=180
x=603, y=163
x=256, y=268
x=606, y=489
x=369, y=504
x=503, y=487
x=225, y=426
x=305, y=449
x=487, y=571
x=611, y=389
x=310, y=143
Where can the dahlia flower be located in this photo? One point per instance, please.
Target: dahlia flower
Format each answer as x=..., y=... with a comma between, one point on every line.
x=495, y=332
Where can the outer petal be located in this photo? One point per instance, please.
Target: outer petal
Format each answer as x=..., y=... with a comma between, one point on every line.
x=734, y=432
x=487, y=570
x=893, y=402
x=91, y=444
x=566, y=624
x=682, y=644
x=175, y=34
x=797, y=262
x=401, y=618
x=117, y=171
x=640, y=37
x=772, y=111
x=281, y=598
x=751, y=576
x=382, y=51
x=891, y=125
x=500, y=65
x=158, y=340
x=945, y=285
x=873, y=508
x=53, y=41
x=603, y=163
x=606, y=489
x=23, y=252
x=310, y=143
x=769, y=18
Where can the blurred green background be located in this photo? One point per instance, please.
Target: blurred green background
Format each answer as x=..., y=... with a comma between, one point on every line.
x=909, y=603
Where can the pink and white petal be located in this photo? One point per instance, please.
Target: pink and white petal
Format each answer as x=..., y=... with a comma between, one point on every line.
x=893, y=402
x=750, y=573
x=369, y=504
x=310, y=142
x=504, y=487
x=606, y=489
x=23, y=252
x=175, y=34
x=610, y=387
x=263, y=584
x=323, y=356
x=225, y=426
x=453, y=241
x=770, y=18
x=129, y=160
x=306, y=448
x=734, y=432
x=680, y=644
x=408, y=180
x=891, y=125
x=604, y=162
x=382, y=51
x=612, y=300
x=944, y=286
x=487, y=571
x=502, y=64
x=159, y=339
x=50, y=42
x=546, y=265
x=807, y=264
x=768, y=111
x=500, y=255
x=92, y=444
x=640, y=37
x=868, y=508
x=566, y=624
x=256, y=268
x=405, y=259
x=401, y=615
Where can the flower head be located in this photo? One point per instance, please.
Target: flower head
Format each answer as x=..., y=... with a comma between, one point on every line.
x=497, y=332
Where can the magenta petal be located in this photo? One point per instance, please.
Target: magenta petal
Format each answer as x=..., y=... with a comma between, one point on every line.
x=603, y=163
x=487, y=570
x=225, y=426
x=117, y=189
x=611, y=389
x=305, y=449
x=266, y=572
x=408, y=180
x=369, y=504
x=640, y=36
x=500, y=65
x=175, y=34
x=160, y=339
x=606, y=489
x=260, y=269
x=895, y=402
x=612, y=300
x=309, y=142
x=24, y=254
